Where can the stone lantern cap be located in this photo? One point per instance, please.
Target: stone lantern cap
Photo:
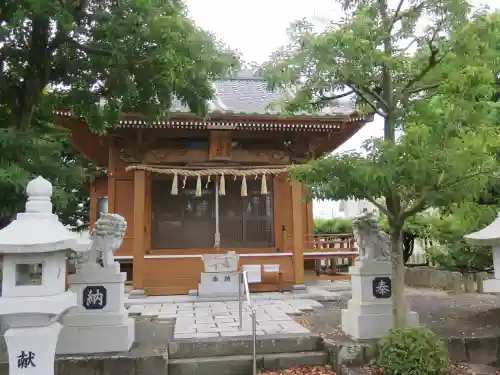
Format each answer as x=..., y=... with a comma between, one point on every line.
x=37, y=230
x=488, y=236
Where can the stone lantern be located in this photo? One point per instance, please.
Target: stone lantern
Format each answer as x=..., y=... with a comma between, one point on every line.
x=489, y=236
x=34, y=295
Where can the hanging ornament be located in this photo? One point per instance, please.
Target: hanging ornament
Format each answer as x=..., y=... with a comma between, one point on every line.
x=208, y=182
x=184, y=182
x=198, y=186
x=222, y=185
x=244, y=187
x=175, y=185
x=263, y=185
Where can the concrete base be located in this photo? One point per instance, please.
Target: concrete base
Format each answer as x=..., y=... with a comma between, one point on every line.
x=96, y=339
x=299, y=288
x=371, y=326
x=136, y=293
x=491, y=286
x=369, y=311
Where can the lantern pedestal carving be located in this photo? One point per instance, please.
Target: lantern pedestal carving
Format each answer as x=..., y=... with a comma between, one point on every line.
x=369, y=311
x=99, y=323
x=32, y=350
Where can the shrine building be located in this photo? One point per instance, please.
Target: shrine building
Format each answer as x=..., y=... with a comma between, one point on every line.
x=189, y=186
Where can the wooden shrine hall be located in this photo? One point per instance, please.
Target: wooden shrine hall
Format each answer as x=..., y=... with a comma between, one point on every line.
x=189, y=186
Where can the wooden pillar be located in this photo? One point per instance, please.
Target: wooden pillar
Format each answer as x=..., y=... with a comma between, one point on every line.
x=298, y=234
x=139, y=228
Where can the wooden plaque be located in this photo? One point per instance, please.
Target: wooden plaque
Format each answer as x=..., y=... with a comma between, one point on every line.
x=220, y=146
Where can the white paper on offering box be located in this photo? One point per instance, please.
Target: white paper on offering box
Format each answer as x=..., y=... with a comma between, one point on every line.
x=271, y=267
x=253, y=273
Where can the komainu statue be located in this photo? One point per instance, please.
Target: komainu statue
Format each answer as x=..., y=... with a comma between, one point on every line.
x=106, y=238
x=373, y=244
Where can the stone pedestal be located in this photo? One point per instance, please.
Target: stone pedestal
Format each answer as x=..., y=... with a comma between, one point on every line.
x=219, y=284
x=491, y=286
x=100, y=322
x=32, y=350
x=369, y=312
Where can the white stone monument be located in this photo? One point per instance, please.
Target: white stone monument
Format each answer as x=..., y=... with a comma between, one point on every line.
x=489, y=236
x=34, y=295
x=99, y=323
x=369, y=311
x=221, y=278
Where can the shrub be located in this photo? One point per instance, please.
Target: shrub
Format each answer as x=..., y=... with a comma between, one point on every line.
x=413, y=351
x=333, y=226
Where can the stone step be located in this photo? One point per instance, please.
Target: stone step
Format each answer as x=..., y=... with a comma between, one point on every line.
x=242, y=364
x=217, y=347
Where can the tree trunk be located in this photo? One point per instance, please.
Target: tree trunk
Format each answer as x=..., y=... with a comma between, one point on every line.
x=399, y=308
x=408, y=245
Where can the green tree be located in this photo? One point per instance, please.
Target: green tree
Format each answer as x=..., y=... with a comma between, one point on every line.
x=447, y=228
x=137, y=55
x=46, y=151
x=414, y=228
x=445, y=152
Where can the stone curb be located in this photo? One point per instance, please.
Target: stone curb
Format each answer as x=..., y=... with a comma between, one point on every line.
x=343, y=357
x=480, y=350
x=354, y=371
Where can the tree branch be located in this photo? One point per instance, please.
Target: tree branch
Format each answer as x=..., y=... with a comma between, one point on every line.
x=421, y=202
x=379, y=206
x=432, y=62
x=412, y=42
x=368, y=101
x=396, y=15
x=335, y=97
x=423, y=88
x=366, y=90
x=87, y=49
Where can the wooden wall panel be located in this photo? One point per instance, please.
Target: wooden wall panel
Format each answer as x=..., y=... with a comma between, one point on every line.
x=123, y=204
x=98, y=189
x=283, y=213
x=127, y=247
x=179, y=275
x=308, y=224
x=171, y=276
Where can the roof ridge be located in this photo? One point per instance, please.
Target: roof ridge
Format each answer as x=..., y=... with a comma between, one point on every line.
x=245, y=75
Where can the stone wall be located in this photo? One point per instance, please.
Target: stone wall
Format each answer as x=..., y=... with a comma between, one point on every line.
x=429, y=277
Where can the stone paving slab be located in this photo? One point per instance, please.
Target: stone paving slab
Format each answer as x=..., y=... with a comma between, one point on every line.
x=312, y=292
x=222, y=319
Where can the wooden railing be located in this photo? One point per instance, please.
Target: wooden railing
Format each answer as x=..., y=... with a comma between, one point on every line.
x=331, y=254
x=329, y=244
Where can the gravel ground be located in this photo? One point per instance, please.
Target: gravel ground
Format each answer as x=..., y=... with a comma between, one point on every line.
x=448, y=315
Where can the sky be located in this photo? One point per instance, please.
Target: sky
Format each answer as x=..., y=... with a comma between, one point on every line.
x=257, y=28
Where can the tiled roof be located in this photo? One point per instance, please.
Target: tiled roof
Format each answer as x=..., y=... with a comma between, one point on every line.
x=247, y=94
